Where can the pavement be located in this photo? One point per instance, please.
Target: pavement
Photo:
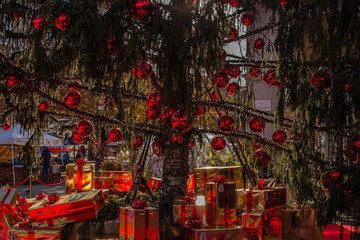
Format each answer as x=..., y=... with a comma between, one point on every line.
x=37, y=188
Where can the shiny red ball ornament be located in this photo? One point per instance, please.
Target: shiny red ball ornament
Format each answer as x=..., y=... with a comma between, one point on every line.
x=213, y=96
x=261, y=158
x=218, y=143
x=12, y=80
x=331, y=178
x=279, y=136
x=191, y=143
x=6, y=126
x=75, y=88
x=226, y=123
x=140, y=9
x=284, y=2
x=234, y=71
x=355, y=142
x=72, y=99
x=84, y=128
x=247, y=19
x=266, y=76
x=62, y=22
x=110, y=45
x=137, y=141
x=259, y=43
x=273, y=80
x=114, y=135
x=352, y=154
x=254, y=72
x=177, y=138
x=143, y=70
x=234, y=33
x=77, y=138
x=153, y=101
x=256, y=125
x=39, y=22
x=320, y=80
x=235, y=3
x=153, y=114
x=181, y=121
x=44, y=106
x=221, y=79
x=200, y=110
x=231, y=88
x=166, y=112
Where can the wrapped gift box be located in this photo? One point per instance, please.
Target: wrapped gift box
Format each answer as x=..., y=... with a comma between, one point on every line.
x=207, y=174
x=183, y=212
x=154, y=184
x=79, y=178
x=6, y=222
x=23, y=208
x=220, y=203
x=43, y=233
x=103, y=182
x=253, y=225
x=139, y=224
x=231, y=232
x=121, y=180
x=8, y=198
x=69, y=208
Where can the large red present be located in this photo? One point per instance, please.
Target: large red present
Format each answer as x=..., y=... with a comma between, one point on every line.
x=231, y=232
x=184, y=210
x=33, y=233
x=253, y=225
x=23, y=204
x=6, y=222
x=139, y=224
x=68, y=208
x=154, y=183
x=121, y=180
x=8, y=198
x=79, y=177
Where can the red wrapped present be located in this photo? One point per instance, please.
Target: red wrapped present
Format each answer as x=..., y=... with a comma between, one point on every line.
x=253, y=225
x=121, y=180
x=6, y=222
x=8, y=198
x=23, y=204
x=21, y=232
x=103, y=182
x=186, y=208
x=154, y=184
x=231, y=232
x=79, y=177
x=56, y=210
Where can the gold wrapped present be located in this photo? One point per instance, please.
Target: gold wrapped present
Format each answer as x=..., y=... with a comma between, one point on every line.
x=230, y=232
x=220, y=203
x=6, y=222
x=207, y=174
x=103, y=182
x=246, y=200
x=182, y=211
x=253, y=225
x=121, y=180
x=33, y=233
x=79, y=178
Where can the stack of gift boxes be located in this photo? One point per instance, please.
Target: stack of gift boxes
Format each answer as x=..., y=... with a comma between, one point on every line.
x=218, y=206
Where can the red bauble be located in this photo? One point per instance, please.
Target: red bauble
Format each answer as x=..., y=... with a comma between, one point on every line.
x=6, y=126
x=261, y=158
x=352, y=154
x=114, y=135
x=273, y=80
x=234, y=71
x=153, y=101
x=234, y=33
x=191, y=143
x=266, y=76
x=75, y=88
x=279, y=136
x=226, y=123
x=44, y=106
x=320, y=80
x=84, y=128
x=200, y=110
x=77, y=138
x=62, y=22
x=39, y=22
x=12, y=79
x=223, y=56
x=143, y=70
x=221, y=79
x=137, y=141
x=181, y=121
x=231, y=88
x=284, y=2
x=235, y=3
x=165, y=113
x=153, y=114
x=259, y=43
x=247, y=19
x=177, y=138
x=254, y=72
x=72, y=99
x=140, y=9
x=110, y=45
x=213, y=96
x=331, y=178
x=218, y=143
x=354, y=142
x=256, y=125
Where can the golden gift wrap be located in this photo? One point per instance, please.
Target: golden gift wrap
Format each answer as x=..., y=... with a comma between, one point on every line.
x=79, y=178
x=8, y=198
x=231, y=232
x=139, y=224
x=103, y=182
x=220, y=203
x=6, y=222
x=252, y=225
x=69, y=208
x=121, y=180
x=183, y=212
x=207, y=174
x=43, y=233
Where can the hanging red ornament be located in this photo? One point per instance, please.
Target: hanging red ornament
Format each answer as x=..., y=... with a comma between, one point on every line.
x=213, y=96
x=177, y=138
x=6, y=126
x=62, y=22
x=153, y=101
x=255, y=146
x=331, y=178
x=44, y=105
x=256, y=125
x=181, y=121
x=110, y=45
x=221, y=79
x=352, y=154
x=223, y=55
x=143, y=70
x=12, y=80
x=77, y=138
x=137, y=141
x=247, y=19
x=166, y=112
x=200, y=110
x=72, y=99
x=235, y=3
x=273, y=80
x=320, y=80
x=226, y=123
x=259, y=43
x=284, y=2
x=234, y=71
x=279, y=136
x=218, y=143
x=191, y=143
x=261, y=158
x=75, y=88
x=39, y=22
x=234, y=33
x=254, y=72
x=354, y=142
x=84, y=128
x=114, y=135
x=266, y=76
x=153, y=114
x=231, y=88
x=140, y=9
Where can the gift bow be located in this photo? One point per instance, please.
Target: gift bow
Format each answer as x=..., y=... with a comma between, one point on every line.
x=51, y=199
x=220, y=179
x=195, y=223
x=81, y=161
x=261, y=184
x=40, y=196
x=139, y=204
x=25, y=224
x=22, y=200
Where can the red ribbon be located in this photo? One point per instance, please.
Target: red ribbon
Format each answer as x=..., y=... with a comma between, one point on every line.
x=249, y=201
x=147, y=216
x=81, y=161
x=183, y=214
x=211, y=204
x=40, y=196
x=79, y=178
x=139, y=204
x=3, y=206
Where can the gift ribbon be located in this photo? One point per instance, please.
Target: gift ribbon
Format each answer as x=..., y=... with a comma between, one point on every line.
x=211, y=204
x=2, y=206
x=249, y=201
x=147, y=216
x=126, y=219
x=80, y=176
x=147, y=223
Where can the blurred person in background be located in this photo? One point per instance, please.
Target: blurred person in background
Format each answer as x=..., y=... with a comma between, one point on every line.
x=46, y=157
